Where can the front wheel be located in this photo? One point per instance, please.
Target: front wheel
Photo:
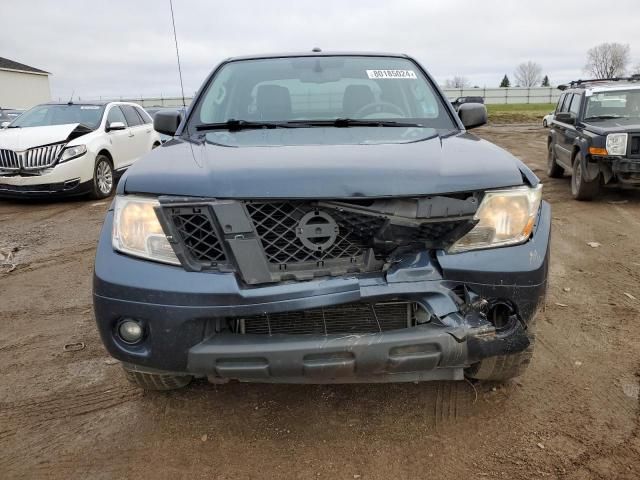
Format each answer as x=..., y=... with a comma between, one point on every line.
x=504, y=367
x=103, y=179
x=157, y=381
x=544, y=123
x=581, y=189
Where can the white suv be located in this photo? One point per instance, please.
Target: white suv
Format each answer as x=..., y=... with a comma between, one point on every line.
x=72, y=148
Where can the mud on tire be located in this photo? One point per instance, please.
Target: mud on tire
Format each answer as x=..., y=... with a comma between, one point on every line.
x=157, y=381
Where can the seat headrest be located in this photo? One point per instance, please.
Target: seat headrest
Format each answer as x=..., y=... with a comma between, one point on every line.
x=355, y=97
x=273, y=102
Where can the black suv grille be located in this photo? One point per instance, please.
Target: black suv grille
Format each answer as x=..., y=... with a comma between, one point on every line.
x=351, y=318
x=195, y=227
x=276, y=224
x=634, y=150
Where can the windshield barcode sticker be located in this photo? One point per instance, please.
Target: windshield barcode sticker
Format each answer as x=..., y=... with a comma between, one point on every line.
x=408, y=74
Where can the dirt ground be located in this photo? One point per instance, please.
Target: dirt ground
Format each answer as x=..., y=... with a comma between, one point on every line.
x=574, y=415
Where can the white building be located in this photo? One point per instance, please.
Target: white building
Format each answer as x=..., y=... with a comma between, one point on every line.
x=22, y=86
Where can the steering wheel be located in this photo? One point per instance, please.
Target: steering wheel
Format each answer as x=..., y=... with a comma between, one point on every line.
x=376, y=107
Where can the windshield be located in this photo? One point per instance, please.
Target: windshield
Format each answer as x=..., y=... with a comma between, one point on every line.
x=324, y=88
x=614, y=104
x=47, y=115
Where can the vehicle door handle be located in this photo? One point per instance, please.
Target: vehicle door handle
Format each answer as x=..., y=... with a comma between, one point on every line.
x=131, y=134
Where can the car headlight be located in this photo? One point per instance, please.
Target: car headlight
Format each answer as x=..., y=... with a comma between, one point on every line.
x=617, y=144
x=505, y=217
x=137, y=231
x=70, y=153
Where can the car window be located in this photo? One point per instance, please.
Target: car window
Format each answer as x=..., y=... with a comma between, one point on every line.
x=575, y=104
x=132, y=116
x=567, y=102
x=322, y=88
x=55, y=114
x=560, y=101
x=615, y=103
x=116, y=115
x=143, y=115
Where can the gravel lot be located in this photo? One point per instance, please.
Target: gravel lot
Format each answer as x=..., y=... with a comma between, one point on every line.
x=574, y=415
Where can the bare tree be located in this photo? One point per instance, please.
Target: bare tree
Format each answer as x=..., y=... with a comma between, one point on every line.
x=457, y=82
x=528, y=74
x=607, y=60
x=636, y=69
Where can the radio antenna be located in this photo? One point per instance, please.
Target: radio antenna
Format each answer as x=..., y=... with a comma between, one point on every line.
x=175, y=39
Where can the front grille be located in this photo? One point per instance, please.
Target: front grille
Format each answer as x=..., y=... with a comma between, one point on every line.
x=9, y=160
x=32, y=159
x=195, y=227
x=276, y=224
x=634, y=149
x=351, y=318
x=41, y=157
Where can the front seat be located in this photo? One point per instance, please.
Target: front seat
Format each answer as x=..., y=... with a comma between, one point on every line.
x=273, y=102
x=355, y=97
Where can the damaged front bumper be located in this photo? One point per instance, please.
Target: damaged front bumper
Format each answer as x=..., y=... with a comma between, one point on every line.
x=181, y=312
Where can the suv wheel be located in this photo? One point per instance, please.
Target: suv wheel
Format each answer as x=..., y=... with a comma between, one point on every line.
x=103, y=179
x=582, y=189
x=553, y=169
x=157, y=381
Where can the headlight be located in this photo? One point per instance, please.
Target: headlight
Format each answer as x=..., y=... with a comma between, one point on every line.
x=72, y=152
x=617, y=143
x=137, y=231
x=505, y=217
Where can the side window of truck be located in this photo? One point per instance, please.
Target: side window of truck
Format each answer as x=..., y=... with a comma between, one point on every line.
x=560, y=100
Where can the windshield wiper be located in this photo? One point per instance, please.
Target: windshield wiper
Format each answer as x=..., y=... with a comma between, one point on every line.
x=352, y=122
x=604, y=117
x=235, y=125
x=13, y=126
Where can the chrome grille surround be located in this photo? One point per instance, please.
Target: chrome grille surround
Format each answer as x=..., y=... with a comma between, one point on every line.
x=41, y=157
x=9, y=160
x=36, y=158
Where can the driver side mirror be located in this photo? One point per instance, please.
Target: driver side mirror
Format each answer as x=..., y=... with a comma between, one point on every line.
x=167, y=122
x=566, y=117
x=472, y=115
x=116, y=126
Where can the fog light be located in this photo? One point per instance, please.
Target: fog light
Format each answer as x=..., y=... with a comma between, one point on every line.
x=130, y=331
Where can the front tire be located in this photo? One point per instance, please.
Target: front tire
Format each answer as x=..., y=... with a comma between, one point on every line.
x=157, y=381
x=544, y=122
x=553, y=169
x=582, y=189
x=103, y=178
x=505, y=367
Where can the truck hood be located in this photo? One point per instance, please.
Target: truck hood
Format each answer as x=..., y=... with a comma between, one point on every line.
x=613, y=125
x=19, y=139
x=435, y=165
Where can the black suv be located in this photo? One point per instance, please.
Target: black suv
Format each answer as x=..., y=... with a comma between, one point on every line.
x=595, y=135
x=322, y=218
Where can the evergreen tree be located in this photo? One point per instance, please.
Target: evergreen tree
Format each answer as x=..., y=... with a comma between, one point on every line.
x=545, y=82
x=505, y=83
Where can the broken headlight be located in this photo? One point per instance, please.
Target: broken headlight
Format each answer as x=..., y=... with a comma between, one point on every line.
x=505, y=217
x=137, y=231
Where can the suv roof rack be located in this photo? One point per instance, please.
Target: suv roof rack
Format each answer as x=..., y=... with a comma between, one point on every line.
x=585, y=83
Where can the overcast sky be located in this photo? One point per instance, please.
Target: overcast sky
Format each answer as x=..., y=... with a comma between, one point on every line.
x=116, y=47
